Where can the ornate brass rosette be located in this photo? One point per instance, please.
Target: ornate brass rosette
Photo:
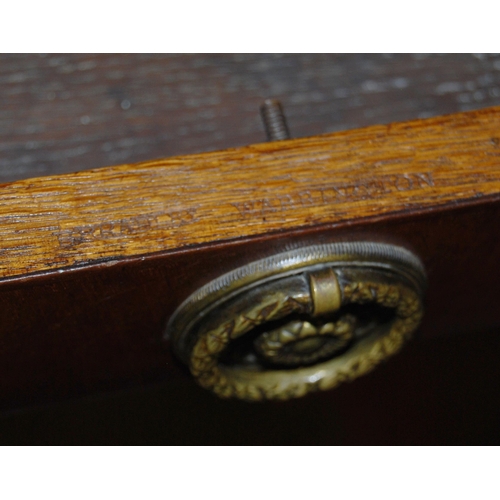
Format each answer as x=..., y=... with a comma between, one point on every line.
x=300, y=321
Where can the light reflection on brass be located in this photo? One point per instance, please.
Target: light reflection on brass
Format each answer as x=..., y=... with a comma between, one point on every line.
x=301, y=321
x=325, y=291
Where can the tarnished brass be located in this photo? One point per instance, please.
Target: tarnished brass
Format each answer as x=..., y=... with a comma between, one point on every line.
x=325, y=291
x=300, y=321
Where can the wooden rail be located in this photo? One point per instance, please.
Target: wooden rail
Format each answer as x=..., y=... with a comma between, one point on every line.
x=93, y=263
x=55, y=222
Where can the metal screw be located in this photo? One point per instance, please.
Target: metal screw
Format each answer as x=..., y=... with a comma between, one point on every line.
x=274, y=120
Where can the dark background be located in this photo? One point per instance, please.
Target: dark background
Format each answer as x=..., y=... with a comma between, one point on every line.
x=63, y=113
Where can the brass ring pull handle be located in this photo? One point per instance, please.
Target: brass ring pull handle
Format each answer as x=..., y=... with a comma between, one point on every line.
x=300, y=321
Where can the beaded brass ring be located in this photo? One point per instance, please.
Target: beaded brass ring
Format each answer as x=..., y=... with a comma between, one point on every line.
x=300, y=321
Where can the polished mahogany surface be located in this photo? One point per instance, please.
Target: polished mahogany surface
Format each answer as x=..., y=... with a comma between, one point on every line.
x=100, y=327
x=440, y=389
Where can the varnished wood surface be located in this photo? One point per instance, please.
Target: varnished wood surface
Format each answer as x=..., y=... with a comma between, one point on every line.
x=55, y=222
x=100, y=328
x=435, y=392
x=65, y=113
x=87, y=313
x=70, y=112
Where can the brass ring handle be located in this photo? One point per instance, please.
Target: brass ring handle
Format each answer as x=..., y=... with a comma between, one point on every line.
x=300, y=321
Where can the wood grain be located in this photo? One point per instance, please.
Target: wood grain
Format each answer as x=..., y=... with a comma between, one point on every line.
x=94, y=263
x=56, y=222
x=63, y=113
x=98, y=327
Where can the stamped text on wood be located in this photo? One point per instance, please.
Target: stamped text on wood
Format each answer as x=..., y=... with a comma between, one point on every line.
x=129, y=210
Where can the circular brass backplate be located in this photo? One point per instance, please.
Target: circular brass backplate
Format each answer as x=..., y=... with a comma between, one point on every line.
x=300, y=321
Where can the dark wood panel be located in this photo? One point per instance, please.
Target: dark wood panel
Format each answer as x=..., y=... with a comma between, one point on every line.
x=64, y=113
x=438, y=391
x=100, y=327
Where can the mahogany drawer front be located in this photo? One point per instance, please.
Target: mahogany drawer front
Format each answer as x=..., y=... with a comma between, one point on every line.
x=95, y=327
x=102, y=258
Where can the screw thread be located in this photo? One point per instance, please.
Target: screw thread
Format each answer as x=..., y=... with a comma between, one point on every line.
x=274, y=120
